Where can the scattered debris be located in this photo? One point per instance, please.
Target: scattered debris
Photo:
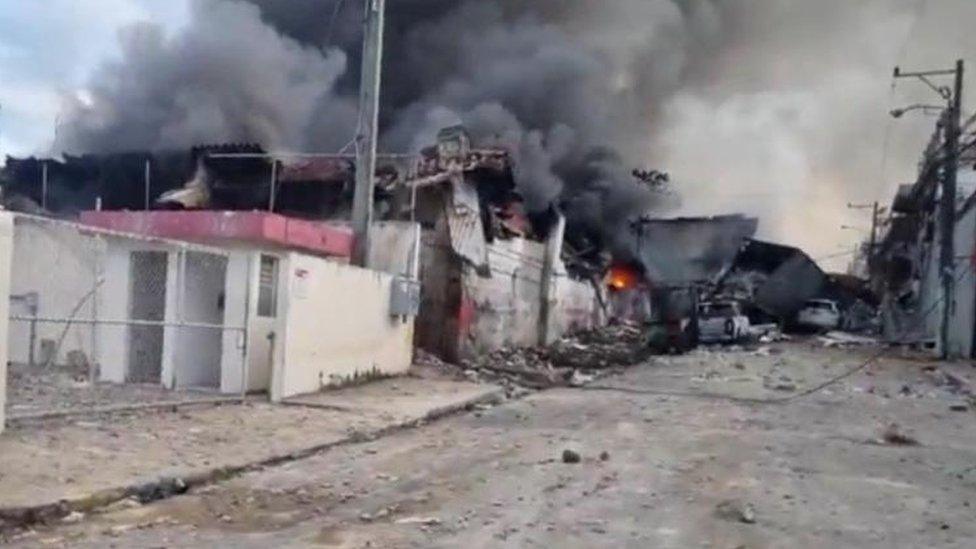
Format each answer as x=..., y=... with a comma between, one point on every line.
x=842, y=339
x=782, y=383
x=426, y=364
x=571, y=456
x=424, y=521
x=895, y=436
x=570, y=362
x=736, y=511
x=73, y=517
x=950, y=382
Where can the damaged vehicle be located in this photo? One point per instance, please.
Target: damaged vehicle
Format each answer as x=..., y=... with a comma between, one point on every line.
x=721, y=322
x=819, y=314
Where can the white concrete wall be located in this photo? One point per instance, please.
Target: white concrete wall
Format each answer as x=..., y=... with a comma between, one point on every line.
x=61, y=265
x=962, y=321
x=577, y=306
x=507, y=305
x=335, y=325
x=930, y=313
x=6, y=253
x=394, y=248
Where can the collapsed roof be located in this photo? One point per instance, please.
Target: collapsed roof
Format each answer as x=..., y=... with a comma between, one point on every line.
x=775, y=278
x=686, y=251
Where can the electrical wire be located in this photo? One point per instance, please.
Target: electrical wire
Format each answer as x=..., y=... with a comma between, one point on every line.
x=332, y=21
x=920, y=12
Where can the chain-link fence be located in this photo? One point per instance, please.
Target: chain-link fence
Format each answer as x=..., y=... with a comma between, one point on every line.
x=100, y=320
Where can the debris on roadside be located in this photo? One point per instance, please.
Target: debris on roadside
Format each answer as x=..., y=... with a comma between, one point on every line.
x=426, y=365
x=570, y=362
x=893, y=435
x=951, y=382
x=782, y=383
x=845, y=340
x=423, y=521
x=571, y=456
x=736, y=511
x=73, y=517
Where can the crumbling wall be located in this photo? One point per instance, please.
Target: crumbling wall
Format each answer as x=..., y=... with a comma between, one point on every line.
x=503, y=309
x=335, y=327
x=577, y=305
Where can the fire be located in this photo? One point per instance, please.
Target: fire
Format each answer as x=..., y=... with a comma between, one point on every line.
x=621, y=277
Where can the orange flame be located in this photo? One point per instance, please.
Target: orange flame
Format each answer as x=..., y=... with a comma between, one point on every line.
x=622, y=278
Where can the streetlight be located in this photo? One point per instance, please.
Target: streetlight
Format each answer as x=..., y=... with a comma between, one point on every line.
x=927, y=109
x=951, y=122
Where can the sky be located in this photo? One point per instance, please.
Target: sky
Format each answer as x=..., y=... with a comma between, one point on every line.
x=48, y=48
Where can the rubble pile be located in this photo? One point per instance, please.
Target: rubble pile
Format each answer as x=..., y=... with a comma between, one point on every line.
x=571, y=361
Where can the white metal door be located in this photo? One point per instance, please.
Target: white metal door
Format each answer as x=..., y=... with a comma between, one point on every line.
x=262, y=321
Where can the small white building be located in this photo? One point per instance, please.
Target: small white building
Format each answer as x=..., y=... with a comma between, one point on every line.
x=254, y=303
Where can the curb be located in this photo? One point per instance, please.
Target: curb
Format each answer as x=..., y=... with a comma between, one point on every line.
x=12, y=518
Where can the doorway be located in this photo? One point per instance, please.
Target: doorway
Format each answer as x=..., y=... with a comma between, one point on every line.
x=147, y=302
x=199, y=351
x=261, y=324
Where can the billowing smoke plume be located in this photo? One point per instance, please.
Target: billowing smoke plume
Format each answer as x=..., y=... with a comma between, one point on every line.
x=763, y=107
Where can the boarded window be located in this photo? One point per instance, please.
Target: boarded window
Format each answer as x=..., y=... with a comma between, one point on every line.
x=268, y=287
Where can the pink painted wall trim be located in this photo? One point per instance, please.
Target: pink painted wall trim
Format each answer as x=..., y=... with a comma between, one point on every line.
x=213, y=227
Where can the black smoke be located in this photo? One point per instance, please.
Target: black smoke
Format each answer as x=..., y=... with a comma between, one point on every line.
x=568, y=87
x=758, y=105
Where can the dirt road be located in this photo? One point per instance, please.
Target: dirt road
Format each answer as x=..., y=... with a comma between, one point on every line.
x=661, y=466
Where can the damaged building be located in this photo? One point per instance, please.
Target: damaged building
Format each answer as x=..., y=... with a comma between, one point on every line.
x=905, y=266
x=491, y=276
x=773, y=281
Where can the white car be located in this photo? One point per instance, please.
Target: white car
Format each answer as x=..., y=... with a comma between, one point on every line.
x=822, y=314
x=721, y=322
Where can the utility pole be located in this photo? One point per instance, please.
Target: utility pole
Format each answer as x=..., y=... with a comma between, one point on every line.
x=952, y=122
x=951, y=173
x=44, y=185
x=147, y=179
x=875, y=213
x=873, y=239
x=369, y=106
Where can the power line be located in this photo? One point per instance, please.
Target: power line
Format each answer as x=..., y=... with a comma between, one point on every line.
x=332, y=22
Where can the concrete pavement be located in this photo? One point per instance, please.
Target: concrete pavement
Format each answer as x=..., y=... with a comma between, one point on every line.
x=662, y=466
x=83, y=463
